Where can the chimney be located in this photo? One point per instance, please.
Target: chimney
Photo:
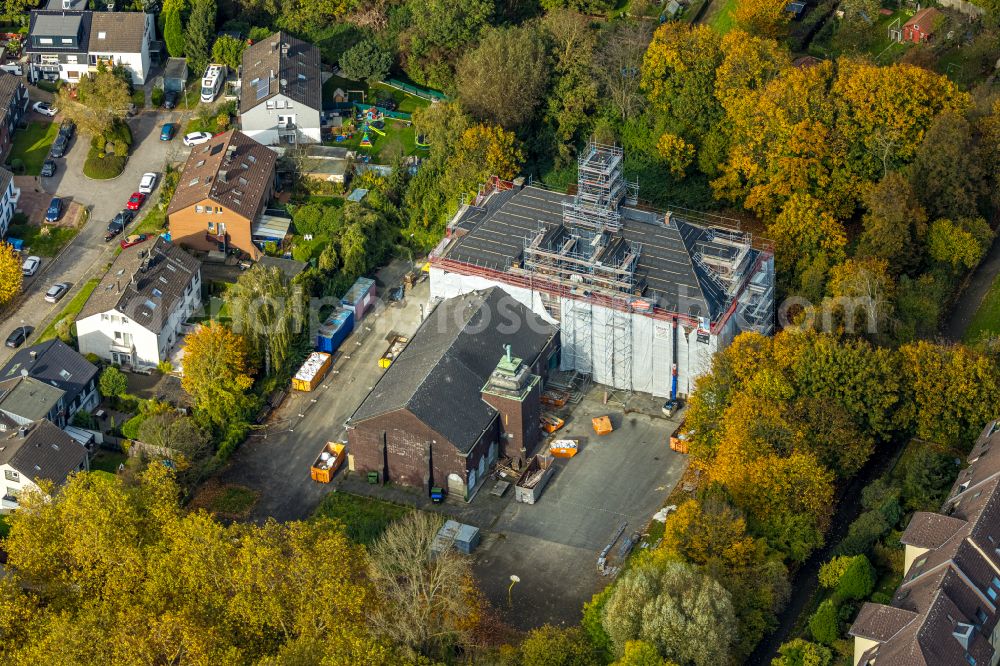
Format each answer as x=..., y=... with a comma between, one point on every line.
x=118, y=285
x=668, y=220
x=33, y=354
x=515, y=393
x=223, y=175
x=22, y=432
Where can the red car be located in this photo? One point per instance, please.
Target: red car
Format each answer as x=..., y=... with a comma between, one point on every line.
x=129, y=241
x=135, y=201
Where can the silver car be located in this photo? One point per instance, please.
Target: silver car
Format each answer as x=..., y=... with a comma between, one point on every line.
x=56, y=292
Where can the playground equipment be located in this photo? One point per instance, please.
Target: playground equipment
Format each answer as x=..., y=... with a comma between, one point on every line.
x=421, y=141
x=366, y=142
x=376, y=130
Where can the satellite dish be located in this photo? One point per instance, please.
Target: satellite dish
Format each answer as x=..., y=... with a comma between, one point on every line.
x=24, y=372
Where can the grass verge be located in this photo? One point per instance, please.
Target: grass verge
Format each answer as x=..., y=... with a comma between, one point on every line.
x=364, y=518
x=31, y=146
x=987, y=318
x=107, y=461
x=72, y=309
x=44, y=241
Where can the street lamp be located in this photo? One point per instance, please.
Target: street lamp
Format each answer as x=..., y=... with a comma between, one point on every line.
x=514, y=580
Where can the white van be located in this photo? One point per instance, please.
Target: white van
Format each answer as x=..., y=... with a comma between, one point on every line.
x=12, y=68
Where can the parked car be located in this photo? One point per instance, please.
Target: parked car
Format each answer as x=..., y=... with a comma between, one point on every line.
x=167, y=132
x=135, y=201
x=59, y=146
x=48, y=168
x=195, y=138
x=30, y=266
x=56, y=291
x=170, y=99
x=54, y=211
x=118, y=224
x=12, y=68
x=134, y=239
x=19, y=335
x=67, y=128
x=45, y=108
x=147, y=183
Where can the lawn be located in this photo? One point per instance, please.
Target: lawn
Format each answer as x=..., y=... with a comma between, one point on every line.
x=44, y=241
x=364, y=518
x=721, y=16
x=228, y=501
x=31, y=145
x=396, y=133
x=987, y=317
x=875, y=40
x=71, y=309
x=407, y=103
x=107, y=461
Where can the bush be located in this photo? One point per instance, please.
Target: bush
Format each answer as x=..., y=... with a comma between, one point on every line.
x=857, y=580
x=157, y=96
x=113, y=382
x=84, y=419
x=824, y=624
x=802, y=653
x=17, y=165
x=831, y=572
x=165, y=367
x=48, y=86
x=592, y=625
x=93, y=358
x=869, y=527
x=232, y=438
x=103, y=167
x=130, y=429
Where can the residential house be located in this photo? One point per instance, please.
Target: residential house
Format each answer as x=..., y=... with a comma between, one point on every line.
x=13, y=105
x=9, y=196
x=25, y=400
x=464, y=391
x=135, y=315
x=281, y=91
x=945, y=610
x=35, y=452
x=67, y=44
x=922, y=25
x=57, y=364
x=223, y=190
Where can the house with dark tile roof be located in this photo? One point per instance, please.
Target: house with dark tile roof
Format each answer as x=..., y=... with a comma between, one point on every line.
x=57, y=364
x=32, y=453
x=136, y=314
x=222, y=194
x=24, y=399
x=465, y=391
x=13, y=106
x=946, y=609
x=67, y=44
x=281, y=91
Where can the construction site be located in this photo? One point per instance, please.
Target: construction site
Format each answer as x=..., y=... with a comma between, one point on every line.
x=643, y=298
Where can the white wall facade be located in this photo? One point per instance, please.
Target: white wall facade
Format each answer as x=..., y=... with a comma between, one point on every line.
x=8, y=204
x=261, y=122
x=12, y=485
x=588, y=332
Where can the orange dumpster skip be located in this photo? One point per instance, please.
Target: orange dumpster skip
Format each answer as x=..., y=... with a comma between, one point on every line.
x=602, y=425
x=564, y=448
x=555, y=398
x=329, y=460
x=551, y=423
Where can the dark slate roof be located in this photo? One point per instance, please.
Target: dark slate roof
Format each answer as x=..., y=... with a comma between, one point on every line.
x=54, y=363
x=28, y=398
x=879, y=622
x=281, y=63
x=45, y=452
x=249, y=171
x=495, y=236
x=145, y=296
x=9, y=85
x=5, y=178
x=123, y=32
x=439, y=375
x=946, y=586
x=45, y=23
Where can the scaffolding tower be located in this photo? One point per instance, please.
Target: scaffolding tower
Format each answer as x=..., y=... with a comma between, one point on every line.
x=601, y=189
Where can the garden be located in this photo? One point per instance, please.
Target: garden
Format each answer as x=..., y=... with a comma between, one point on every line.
x=31, y=147
x=45, y=240
x=108, y=152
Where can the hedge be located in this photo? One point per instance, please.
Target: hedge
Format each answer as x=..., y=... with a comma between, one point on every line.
x=104, y=168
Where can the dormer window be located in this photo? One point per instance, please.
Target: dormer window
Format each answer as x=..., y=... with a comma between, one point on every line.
x=963, y=632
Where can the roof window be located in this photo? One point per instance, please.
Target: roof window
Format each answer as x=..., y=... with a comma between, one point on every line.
x=102, y=35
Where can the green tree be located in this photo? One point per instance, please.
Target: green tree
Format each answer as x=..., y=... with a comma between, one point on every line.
x=858, y=579
x=554, y=646
x=895, y=224
x=799, y=652
x=572, y=41
x=686, y=614
x=198, y=34
x=366, y=61
x=825, y=623
x=641, y=653
x=439, y=30
x=113, y=382
x=228, y=50
x=100, y=101
x=947, y=171
x=927, y=477
x=267, y=310
x=960, y=244
x=173, y=33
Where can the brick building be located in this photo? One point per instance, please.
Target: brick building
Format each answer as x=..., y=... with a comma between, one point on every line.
x=463, y=392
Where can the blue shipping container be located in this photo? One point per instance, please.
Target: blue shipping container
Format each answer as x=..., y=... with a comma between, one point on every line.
x=336, y=329
x=360, y=297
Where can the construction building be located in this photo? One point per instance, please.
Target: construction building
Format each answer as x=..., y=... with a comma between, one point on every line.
x=643, y=298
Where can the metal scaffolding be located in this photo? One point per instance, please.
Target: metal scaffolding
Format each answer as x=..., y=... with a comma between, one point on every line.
x=601, y=189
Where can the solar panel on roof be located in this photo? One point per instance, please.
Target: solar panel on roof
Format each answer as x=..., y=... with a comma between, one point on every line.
x=263, y=86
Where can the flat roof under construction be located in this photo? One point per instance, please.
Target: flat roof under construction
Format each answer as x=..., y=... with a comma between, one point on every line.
x=493, y=236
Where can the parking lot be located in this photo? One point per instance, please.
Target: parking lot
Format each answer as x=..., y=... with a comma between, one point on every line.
x=553, y=545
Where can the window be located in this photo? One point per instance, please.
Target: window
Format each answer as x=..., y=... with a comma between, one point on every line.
x=199, y=209
x=218, y=210
x=269, y=104
x=66, y=40
x=969, y=658
x=11, y=475
x=981, y=615
x=102, y=35
x=208, y=209
x=118, y=335
x=992, y=593
x=44, y=40
x=211, y=227
x=71, y=59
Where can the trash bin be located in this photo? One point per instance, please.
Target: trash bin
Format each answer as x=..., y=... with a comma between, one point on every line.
x=372, y=477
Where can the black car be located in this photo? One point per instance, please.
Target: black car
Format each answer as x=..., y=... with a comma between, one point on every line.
x=170, y=99
x=118, y=224
x=19, y=335
x=59, y=145
x=124, y=217
x=48, y=168
x=67, y=129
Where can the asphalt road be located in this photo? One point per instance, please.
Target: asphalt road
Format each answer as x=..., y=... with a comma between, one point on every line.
x=87, y=254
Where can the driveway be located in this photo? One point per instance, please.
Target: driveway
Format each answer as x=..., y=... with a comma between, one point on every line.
x=88, y=255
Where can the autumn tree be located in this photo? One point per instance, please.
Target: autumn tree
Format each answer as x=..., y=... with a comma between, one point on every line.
x=861, y=297
x=766, y=18
x=749, y=63
x=895, y=223
x=947, y=171
x=641, y=653
x=675, y=152
x=217, y=373
x=618, y=64
x=228, y=50
x=555, y=646
x=684, y=613
x=11, y=276
x=805, y=234
x=180, y=434
x=800, y=652
x=515, y=56
x=366, y=61
x=959, y=244
x=268, y=312
x=429, y=599
x=99, y=100
x=198, y=34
